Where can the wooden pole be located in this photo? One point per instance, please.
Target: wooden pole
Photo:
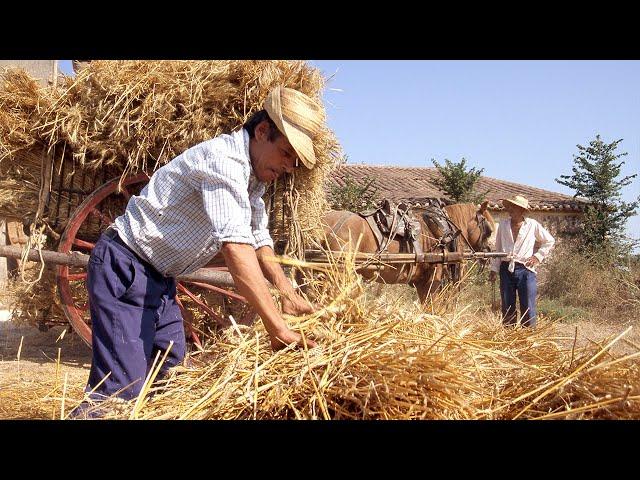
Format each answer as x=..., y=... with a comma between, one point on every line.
x=77, y=259
x=4, y=270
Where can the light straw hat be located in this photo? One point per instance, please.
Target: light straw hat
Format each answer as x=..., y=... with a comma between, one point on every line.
x=298, y=117
x=518, y=200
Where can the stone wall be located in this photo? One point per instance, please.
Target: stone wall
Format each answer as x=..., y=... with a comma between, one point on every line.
x=43, y=70
x=560, y=224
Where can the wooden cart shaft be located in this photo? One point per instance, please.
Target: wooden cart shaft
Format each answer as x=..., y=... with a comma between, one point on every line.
x=77, y=259
x=314, y=257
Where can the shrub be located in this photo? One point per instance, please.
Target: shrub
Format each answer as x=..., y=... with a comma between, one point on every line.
x=595, y=283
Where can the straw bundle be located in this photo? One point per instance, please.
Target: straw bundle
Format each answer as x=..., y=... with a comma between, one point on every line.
x=138, y=115
x=23, y=100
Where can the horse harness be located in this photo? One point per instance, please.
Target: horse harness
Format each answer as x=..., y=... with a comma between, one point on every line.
x=393, y=222
x=483, y=226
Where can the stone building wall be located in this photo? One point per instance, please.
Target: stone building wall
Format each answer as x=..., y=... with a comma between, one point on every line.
x=560, y=224
x=43, y=70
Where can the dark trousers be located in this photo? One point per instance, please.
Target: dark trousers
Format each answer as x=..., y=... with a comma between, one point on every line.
x=134, y=314
x=524, y=282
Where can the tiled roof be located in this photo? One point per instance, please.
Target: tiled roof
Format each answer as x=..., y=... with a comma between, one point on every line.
x=415, y=184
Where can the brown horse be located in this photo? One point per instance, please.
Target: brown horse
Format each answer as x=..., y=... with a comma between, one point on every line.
x=343, y=229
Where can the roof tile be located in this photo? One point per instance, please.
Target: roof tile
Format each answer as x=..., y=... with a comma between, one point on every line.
x=394, y=182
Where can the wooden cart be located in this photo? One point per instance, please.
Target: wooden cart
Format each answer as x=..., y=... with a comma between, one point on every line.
x=102, y=206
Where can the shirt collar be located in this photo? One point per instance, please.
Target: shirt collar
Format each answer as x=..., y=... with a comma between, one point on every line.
x=243, y=136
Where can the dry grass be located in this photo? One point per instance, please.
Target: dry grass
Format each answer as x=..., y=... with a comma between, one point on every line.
x=610, y=293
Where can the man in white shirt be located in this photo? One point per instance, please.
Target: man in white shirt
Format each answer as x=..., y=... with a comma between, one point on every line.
x=206, y=200
x=517, y=236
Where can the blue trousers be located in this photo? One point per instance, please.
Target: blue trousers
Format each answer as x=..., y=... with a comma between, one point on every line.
x=524, y=282
x=134, y=314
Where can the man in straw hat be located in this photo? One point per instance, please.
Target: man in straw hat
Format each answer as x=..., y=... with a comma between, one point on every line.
x=205, y=201
x=517, y=236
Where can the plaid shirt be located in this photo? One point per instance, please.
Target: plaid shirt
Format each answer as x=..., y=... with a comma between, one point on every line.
x=204, y=197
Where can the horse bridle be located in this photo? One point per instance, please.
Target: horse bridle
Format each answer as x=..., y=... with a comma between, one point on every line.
x=482, y=225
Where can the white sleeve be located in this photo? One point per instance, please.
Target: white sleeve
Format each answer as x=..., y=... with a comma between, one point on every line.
x=226, y=199
x=546, y=242
x=259, y=223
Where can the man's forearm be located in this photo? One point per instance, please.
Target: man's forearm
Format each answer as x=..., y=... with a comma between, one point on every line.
x=272, y=270
x=243, y=265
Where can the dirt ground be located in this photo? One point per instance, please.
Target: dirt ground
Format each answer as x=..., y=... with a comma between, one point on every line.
x=589, y=332
x=29, y=371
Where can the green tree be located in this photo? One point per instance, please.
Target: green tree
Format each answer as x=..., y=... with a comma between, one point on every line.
x=353, y=195
x=595, y=177
x=458, y=182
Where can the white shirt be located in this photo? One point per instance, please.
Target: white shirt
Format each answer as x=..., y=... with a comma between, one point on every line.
x=522, y=248
x=205, y=196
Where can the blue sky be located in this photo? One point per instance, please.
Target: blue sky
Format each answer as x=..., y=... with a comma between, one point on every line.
x=519, y=120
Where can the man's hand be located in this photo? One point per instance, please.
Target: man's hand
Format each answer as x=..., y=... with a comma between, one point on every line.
x=532, y=261
x=294, y=304
x=247, y=275
x=286, y=337
x=492, y=276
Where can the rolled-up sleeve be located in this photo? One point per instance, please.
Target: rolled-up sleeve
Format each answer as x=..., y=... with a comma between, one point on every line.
x=226, y=200
x=260, y=220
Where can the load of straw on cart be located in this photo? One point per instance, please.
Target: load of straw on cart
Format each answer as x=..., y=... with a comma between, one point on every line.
x=71, y=155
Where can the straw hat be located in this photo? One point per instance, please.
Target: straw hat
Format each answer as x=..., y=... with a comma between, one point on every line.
x=298, y=117
x=518, y=200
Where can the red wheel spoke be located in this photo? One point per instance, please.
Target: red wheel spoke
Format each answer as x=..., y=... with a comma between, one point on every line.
x=82, y=244
x=188, y=320
x=104, y=218
x=200, y=303
x=75, y=277
x=125, y=193
x=213, y=288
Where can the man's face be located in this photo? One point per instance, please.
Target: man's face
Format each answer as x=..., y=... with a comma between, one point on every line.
x=271, y=159
x=514, y=210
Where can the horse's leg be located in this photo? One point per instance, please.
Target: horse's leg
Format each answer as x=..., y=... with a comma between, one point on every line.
x=429, y=284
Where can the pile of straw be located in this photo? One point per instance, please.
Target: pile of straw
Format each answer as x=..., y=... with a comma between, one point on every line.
x=135, y=116
x=379, y=357
x=116, y=118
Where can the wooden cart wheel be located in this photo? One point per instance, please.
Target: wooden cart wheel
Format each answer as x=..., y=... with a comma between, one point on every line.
x=83, y=229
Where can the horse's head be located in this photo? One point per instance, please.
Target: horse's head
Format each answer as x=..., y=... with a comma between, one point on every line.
x=476, y=224
x=481, y=233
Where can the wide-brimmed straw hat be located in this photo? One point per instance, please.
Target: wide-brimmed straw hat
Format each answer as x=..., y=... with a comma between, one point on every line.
x=298, y=117
x=518, y=200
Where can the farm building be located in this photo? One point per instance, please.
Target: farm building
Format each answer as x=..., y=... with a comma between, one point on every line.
x=560, y=213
